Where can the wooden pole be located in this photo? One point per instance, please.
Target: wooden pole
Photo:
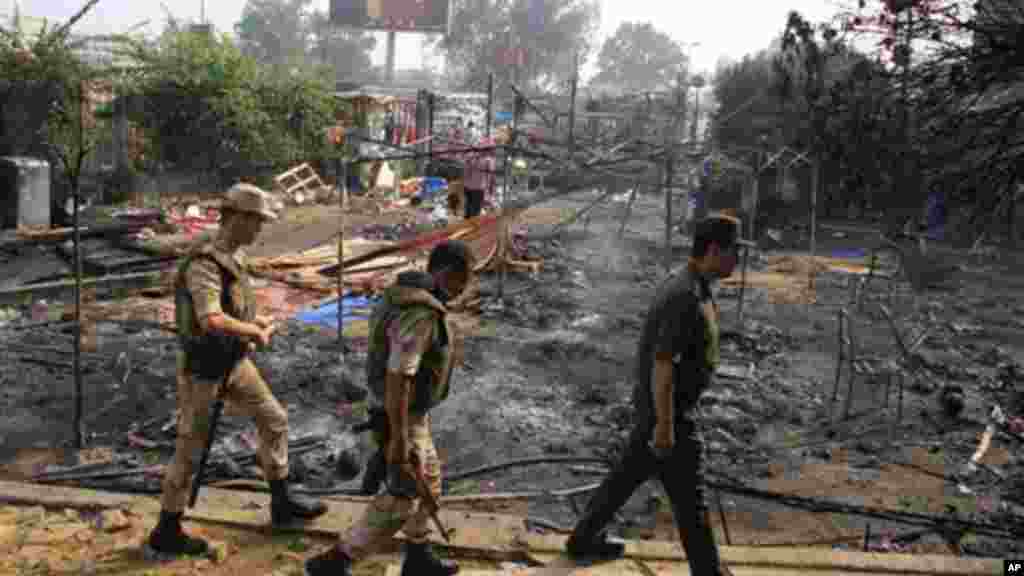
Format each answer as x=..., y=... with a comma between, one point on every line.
x=743, y=290
x=77, y=351
x=671, y=141
x=572, y=113
x=626, y=213
x=815, y=183
x=490, y=105
x=506, y=199
x=840, y=357
x=77, y=237
x=342, y=201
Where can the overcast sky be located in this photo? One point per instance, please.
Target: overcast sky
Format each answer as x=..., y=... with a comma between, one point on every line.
x=724, y=28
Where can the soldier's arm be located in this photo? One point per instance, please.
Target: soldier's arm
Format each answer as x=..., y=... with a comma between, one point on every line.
x=203, y=281
x=407, y=347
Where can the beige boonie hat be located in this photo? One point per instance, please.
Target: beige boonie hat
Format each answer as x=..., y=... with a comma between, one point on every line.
x=244, y=197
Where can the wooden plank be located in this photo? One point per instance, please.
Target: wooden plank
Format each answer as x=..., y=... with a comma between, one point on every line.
x=51, y=496
x=799, y=558
x=57, y=290
x=504, y=534
x=472, y=531
x=290, y=172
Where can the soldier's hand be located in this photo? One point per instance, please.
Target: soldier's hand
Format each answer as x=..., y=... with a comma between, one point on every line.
x=265, y=333
x=401, y=479
x=663, y=441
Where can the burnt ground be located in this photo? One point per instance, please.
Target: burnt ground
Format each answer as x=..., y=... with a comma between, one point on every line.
x=548, y=374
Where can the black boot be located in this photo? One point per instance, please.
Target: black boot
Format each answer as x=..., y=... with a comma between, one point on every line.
x=376, y=469
x=286, y=507
x=600, y=547
x=168, y=537
x=420, y=561
x=333, y=562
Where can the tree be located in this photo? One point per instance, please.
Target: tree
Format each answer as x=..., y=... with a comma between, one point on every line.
x=208, y=109
x=59, y=85
x=639, y=57
x=275, y=33
x=345, y=52
x=965, y=84
x=528, y=43
x=289, y=34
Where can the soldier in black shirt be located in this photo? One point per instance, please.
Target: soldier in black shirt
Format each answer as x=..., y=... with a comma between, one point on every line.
x=675, y=361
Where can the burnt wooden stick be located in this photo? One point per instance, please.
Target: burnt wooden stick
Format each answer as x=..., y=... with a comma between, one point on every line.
x=899, y=409
x=888, y=387
x=721, y=516
x=853, y=369
x=840, y=316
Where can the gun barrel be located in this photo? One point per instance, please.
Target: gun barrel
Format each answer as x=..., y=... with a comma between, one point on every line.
x=218, y=409
x=430, y=501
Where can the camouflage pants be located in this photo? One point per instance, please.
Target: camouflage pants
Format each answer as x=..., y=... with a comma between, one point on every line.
x=388, y=514
x=246, y=393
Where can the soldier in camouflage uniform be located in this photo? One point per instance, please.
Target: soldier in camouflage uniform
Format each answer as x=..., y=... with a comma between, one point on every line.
x=413, y=350
x=218, y=326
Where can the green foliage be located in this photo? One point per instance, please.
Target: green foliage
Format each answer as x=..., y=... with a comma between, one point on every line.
x=209, y=109
x=46, y=93
x=290, y=34
x=639, y=57
x=482, y=31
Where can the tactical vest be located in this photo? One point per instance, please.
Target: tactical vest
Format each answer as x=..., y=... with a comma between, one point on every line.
x=432, y=380
x=213, y=355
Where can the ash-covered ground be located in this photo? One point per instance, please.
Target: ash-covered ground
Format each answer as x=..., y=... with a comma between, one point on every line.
x=547, y=373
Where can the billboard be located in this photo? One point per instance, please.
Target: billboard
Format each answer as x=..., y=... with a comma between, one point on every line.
x=398, y=15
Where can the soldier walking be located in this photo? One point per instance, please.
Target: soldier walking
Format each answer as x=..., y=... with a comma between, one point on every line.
x=218, y=327
x=675, y=362
x=413, y=351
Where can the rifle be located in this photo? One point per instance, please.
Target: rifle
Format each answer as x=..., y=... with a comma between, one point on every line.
x=218, y=410
x=428, y=497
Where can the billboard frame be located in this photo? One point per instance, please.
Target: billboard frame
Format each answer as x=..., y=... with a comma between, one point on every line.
x=375, y=25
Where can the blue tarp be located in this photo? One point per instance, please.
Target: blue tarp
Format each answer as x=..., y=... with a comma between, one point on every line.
x=353, y=308
x=849, y=254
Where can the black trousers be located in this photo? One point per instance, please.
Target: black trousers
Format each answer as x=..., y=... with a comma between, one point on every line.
x=679, y=474
x=474, y=202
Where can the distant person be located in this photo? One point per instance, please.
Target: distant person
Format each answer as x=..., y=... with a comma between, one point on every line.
x=413, y=352
x=479, y=171
x=218, y=327
x=675, y=363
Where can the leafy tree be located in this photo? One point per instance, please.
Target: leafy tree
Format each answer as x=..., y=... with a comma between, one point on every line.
x=639, y=57
x=289, y=34
x=530, y=43
x=345, y=52
x=963, y=84
x=275, y=33
x=208, y=109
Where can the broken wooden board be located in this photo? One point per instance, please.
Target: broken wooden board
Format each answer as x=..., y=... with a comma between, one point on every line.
x=469, y=530
x=804, y=560
x=63, y=289
x=505, y=535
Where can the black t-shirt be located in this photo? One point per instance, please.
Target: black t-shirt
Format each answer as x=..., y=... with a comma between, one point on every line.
x=675, y=325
